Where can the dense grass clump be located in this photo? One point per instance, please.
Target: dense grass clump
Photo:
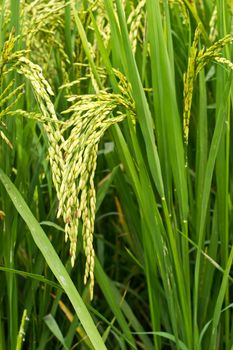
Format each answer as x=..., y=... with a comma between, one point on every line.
x=115, y=168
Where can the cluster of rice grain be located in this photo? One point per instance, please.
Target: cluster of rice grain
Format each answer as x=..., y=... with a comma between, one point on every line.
x=197, y=61
x=73, y=158
x=135, y=20
x=10, y=94
x=90, y=117
x=212, y=24
x=182, y=9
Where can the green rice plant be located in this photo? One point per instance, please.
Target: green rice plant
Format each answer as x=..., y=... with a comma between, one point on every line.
x=165, y=112
x=116, y=130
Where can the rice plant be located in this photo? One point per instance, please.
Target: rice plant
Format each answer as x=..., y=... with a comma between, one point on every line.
x=115, y=168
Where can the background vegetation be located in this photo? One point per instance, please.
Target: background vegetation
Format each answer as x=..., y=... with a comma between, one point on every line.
x=115, y=119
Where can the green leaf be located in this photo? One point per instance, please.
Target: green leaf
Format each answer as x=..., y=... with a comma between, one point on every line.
x=53, y=262
x=54, y=328
x=31, y=275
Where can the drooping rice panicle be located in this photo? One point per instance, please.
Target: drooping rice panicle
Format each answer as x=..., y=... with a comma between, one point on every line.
x=135, y=22
x=188, y=84
x=197, y=60
x=212, y=24
x=73, y=159
x=90, y=118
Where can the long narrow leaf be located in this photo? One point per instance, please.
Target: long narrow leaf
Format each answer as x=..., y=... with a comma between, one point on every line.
x=54, y=262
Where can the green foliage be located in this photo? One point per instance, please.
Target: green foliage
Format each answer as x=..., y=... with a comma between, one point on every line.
x=115, y=132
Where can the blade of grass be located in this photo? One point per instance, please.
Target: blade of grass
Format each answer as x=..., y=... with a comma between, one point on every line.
x=222, y=163
x=171, y=146
x=54, y=262
x=219, y=302
x=54, y=328
x=31, y=275
x=202, y=211
x=21, y=334
x=165, y=89
x=143, y=111
x=15, y=16
x=109, y=293
x=166, y=335
x=84, y=40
